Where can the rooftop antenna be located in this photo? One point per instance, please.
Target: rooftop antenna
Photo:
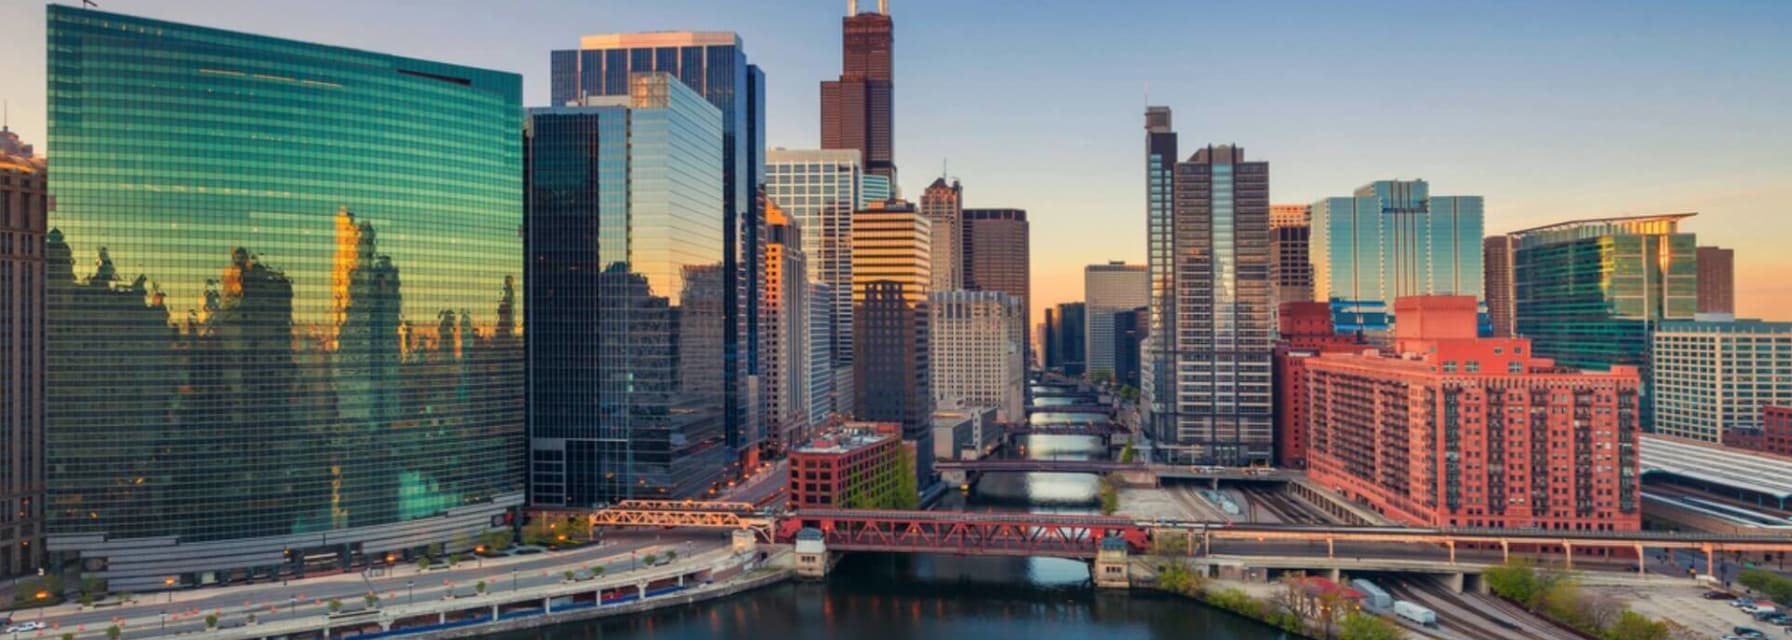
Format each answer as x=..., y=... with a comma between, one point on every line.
x=943, y=170
x=883, y=7
x=852, y=7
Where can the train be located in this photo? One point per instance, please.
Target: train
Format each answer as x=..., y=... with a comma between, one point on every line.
x=1415, y=612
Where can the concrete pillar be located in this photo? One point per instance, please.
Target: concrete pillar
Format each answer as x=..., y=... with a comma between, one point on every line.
x=1452, y=545
x=1710, y=564
x=1330, y=547
x=1454, y=582
x=1642, y=561
x=1335, y=574
x=326, y=631
x=547, y=604
x=442, y=617
x=494, y=611
x=1568, y=553
x=1505, y=551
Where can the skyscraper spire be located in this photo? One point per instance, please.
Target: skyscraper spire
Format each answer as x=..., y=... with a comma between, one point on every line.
x=883, y=7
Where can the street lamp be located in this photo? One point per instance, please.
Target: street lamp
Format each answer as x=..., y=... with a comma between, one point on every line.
x=479, y=553
x=170, y=584
x=411, y=591
x=164, y=616
x=42, y=599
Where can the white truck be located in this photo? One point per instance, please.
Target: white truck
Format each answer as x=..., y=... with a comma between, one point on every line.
x=1415, y=612
x=1375, y=599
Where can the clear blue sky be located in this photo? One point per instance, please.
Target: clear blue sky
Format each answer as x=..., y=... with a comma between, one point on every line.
x=1550, y=109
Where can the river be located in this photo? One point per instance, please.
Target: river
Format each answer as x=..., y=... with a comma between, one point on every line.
x=947, y=597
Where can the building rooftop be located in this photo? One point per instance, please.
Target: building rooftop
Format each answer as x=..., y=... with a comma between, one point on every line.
x=851, y=437
x=1736, y=468
x=1723, y=325
x=653, y=39
x=1618, y=221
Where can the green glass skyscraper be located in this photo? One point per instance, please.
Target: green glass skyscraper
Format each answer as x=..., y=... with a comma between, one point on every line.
x=282, y=299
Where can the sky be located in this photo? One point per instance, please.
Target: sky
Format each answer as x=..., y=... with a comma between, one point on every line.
x=1550, y=110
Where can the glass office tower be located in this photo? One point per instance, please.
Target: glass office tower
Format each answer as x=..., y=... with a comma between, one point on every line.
x=1392, y=239
x=282, y=302
x=713, y=64
x=625, y=288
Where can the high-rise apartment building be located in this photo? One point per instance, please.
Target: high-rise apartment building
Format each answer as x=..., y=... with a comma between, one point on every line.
x=625, y=295
x=1474, y=432
x=891, y=274
x=1717, y=280
x=1291, y=228
x=1710, y=376
x=944, y=204
x=713, y=64
x=1390, y=239
x=1587, y=293
x=857, y=109
x=1130, y=327
x=1109, y=289
x=995, y=251
x=785, y=343
x=1304, y=331
x=275, y=344
x=24, y=202
x=977, y=355
x=1160, y=166
x=1209, y=391
x=1497, y=285
x=820, y=189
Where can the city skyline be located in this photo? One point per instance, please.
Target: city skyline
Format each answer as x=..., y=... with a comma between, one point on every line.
x=1498, y=90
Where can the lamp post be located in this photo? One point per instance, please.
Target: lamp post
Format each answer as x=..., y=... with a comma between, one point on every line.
x=411, y=591
x=479, y=554
x=169, y=582
x=164, y=616
x=43, y=598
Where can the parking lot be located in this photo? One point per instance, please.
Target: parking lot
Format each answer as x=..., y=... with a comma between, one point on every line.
x=1681, y=601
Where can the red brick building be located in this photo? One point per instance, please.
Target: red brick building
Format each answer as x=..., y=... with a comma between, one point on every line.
x=1305, y=330
x=1774, y=436
x=1454, y=430
x=859, y=464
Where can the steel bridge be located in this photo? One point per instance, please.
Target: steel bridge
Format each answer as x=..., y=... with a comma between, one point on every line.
x=687, y=513
x=1037, y=466
x=1104, y=428
x=997, y=534
x=1071, y=408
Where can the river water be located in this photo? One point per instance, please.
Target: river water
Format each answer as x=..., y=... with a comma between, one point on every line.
x=876, y=596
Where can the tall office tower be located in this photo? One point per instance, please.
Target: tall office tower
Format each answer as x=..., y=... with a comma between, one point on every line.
x=1072, y=337
x=1109, y=289
x=822, y=396
x=1051, y=355
x=1712, y=376
x=977, y=358
x=625, y=291
x=857, y=109
x=1717, y=280
x=1211, y=404
x=995, y=253
x=1496, y=257
x=1393, y=239
x=1160, y=165
x=820, y=189
x=269, y=350
x=1587, y=293
x=714, y=65
x=785, y=345
x=1304, y=330
x=1475, y=432
x=892, y=376
x=1291, y=268
x=24, y=201
x=944, y=205
x=1129, y=335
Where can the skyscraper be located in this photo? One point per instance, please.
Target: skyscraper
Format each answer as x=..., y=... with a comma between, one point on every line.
x=1717, y=280
x=713, y=64
x=1129, y=334
x=944, y=205
x=1210, y=393
x=891, y=274
x=24, y=201
x=1710, y=376
x=820, y=189
x=1109, y=289
x=1474, y=432
x=785, y=345
x=1304, y=331
x=1587, y=293
x=1293, y=269
x=1160, y=165
x=1392, y=238
x=977, y=338
x=857, y=109
x=276, y=343
x=1496, y=256
x=1072, y=337
x=625, y=228
x=995, y=254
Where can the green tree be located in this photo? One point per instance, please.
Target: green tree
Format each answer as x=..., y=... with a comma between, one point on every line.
x=650, y=559
x=1769, y=584
x=497, y=539
x=423, y=563
x=335, y=605
x=372, y=600
x=1100, y=376
x=597, y=570
x=1177, y=577
x=480, y=587
x=1127, y=453
x=567, y=575
x=1635, y=626
x=113, y=632
x=671, y=554
x=1110, y=494
x=1362, y=626
x=211, y=621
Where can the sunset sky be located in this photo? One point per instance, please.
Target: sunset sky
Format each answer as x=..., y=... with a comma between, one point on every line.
x=1551, y=110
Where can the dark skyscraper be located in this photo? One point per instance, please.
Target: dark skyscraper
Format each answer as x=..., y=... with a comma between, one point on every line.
x=1070, y=338
x=1129, y=335
x=714, y=64
x=24, y=198
x=1160, y=163
x=1717, y=280
x=995, y=254
x=1496, y=275
x=857, y=109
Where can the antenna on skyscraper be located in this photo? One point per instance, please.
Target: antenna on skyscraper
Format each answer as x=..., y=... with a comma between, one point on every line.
x=943, y=168
x=883, y=7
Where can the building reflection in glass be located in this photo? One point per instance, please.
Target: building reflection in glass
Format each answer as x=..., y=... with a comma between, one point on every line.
x=627, y=296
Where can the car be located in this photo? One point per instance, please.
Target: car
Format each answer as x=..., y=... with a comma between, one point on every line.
x=1718, y=595
x=25, y=627
x=1748, y=632
x=1742, y=602
x=1750, y=608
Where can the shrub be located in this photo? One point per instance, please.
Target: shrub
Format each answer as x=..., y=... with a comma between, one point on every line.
x=113, y=632
x=335, y=605
x=372, y=600
x=651, y=559
x=1362, y=626
x=567, y=575
x=211, y=621
x=423, y=563
x=480, y=587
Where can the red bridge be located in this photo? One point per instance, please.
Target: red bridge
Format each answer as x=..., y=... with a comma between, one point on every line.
x=1026, y=534
x=1036, y=466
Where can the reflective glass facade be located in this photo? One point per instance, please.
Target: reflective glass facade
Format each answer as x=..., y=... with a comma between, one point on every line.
x=282, y=300
x=1156, y=390
x=628, y=310
x=820, y=189
x=1391, y=239
x=1587, y=292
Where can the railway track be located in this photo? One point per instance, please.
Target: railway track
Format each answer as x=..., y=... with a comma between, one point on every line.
x=1282, y=507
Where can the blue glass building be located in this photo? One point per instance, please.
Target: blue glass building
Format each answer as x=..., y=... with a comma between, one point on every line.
x=714, y=65
x=628, y=317
x=1392, y=238
x=281, y=298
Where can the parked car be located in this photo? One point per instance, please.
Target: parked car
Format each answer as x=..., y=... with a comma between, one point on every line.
x=25, y=627
x=1718, y=595
x=1742, y=602
x=1749, y=632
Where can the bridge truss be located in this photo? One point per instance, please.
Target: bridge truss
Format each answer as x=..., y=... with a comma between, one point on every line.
x=972, y=533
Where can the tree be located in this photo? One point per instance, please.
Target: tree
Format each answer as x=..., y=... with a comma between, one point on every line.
x=1635, y=626
x=1127, y=453
x=1516, y=581
x=1110, y=494
x=597, y=571
x=1602, y=610
x=650, y=559
x=1362, y=626
x=113, y=632
x=211, y=621
x=372, y=600
x=423, y=563
x=671, y=554
x=1769, y=584
x=479, y=587
x=497, y=539
x=1177, y=577
x=335, y=605
x=567, y=575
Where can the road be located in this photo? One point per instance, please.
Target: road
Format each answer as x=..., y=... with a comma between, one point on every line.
x=186, y=610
